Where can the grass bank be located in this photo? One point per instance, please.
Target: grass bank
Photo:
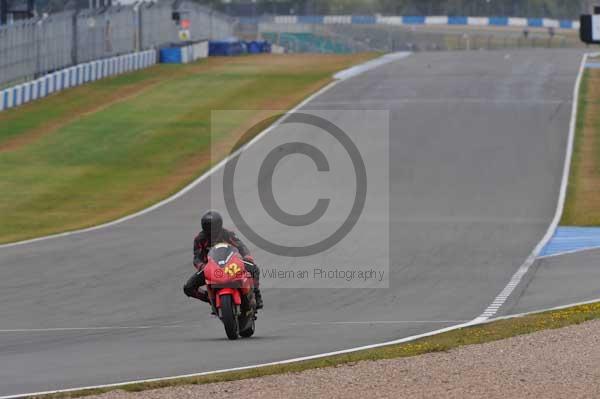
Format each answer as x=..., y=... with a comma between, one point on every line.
x=98, y=152
x=582, y=207
x=493, y=331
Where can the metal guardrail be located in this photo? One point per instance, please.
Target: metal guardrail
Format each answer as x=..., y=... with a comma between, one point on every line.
x=74, y=76
x=404, y=33
x=31, y=48
x=413, y=20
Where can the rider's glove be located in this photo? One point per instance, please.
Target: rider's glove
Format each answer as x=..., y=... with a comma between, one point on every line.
x=198, y=265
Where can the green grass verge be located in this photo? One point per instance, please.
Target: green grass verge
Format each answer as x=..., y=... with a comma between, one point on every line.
x=493, y=331
x=582, y=206
x=107, y=149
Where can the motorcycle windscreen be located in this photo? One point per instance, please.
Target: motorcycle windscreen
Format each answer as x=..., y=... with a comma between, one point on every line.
x=222, y=253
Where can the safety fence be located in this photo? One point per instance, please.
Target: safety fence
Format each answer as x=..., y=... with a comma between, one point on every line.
x=31, y=48
x=176, y=53
x=74, y=76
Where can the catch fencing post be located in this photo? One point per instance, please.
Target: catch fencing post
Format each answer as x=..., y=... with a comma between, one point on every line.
x=74, y=54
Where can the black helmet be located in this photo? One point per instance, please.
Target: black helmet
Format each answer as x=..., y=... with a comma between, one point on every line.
x=212, y=223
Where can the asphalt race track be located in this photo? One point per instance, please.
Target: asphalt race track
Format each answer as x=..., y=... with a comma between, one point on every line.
x=476, y=149
x=560, y=280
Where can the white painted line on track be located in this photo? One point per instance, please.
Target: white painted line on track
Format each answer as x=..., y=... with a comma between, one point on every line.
x=524, y=268
x=516, y=315
x=484, y=318
x=311, y=357
x=340, y=76
x=329, y=323
x=184, y=191
x=417, y=101
x=369, y=65
x=192, y=325
x=294, y=360
x=99, y=328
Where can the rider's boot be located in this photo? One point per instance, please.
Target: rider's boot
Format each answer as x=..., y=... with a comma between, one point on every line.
x=203, y=296
x=258, y=297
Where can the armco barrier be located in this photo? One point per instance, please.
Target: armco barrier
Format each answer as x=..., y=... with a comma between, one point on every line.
x=535, y=22
x=415, y=20
x=337, y=19
x=458, y=21
x=33, y=47
x=477, y=21
x=194, y=52
x=74, y=76
x=311, y=19
x=363, y=19
x=436, y=20
x=520, y=22
x=498, y=21
x=566, y=24
x=550, y=23
x=286, y=19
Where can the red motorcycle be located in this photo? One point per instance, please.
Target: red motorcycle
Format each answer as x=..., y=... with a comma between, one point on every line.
x=231, y=290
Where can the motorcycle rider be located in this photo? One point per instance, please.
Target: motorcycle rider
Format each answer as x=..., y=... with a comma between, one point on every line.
x=213, y=233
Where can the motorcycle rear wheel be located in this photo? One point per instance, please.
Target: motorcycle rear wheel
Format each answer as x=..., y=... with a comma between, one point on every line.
x=228, y=317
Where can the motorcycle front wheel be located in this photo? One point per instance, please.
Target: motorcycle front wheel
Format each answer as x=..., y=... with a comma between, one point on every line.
x=228, y=317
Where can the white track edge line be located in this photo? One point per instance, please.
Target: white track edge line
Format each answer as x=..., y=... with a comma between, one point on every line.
x=483, y=319
x=561, y=307
x=163, y=326
x=176, y=196
x=183, y=191
x=369, y=65
x=385, y=59
x=98, y=328
x=524, y=268
x=282, y=362
x=472, y=323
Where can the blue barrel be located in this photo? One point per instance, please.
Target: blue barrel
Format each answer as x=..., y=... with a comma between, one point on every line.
x=170, y=55
x=226, y=47
x=265, y=47
x=254, y=47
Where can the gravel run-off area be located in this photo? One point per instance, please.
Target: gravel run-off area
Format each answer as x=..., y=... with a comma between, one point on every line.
x=563, y=363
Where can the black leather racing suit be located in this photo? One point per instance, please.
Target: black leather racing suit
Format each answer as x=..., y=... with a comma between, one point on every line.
x=202, y=245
